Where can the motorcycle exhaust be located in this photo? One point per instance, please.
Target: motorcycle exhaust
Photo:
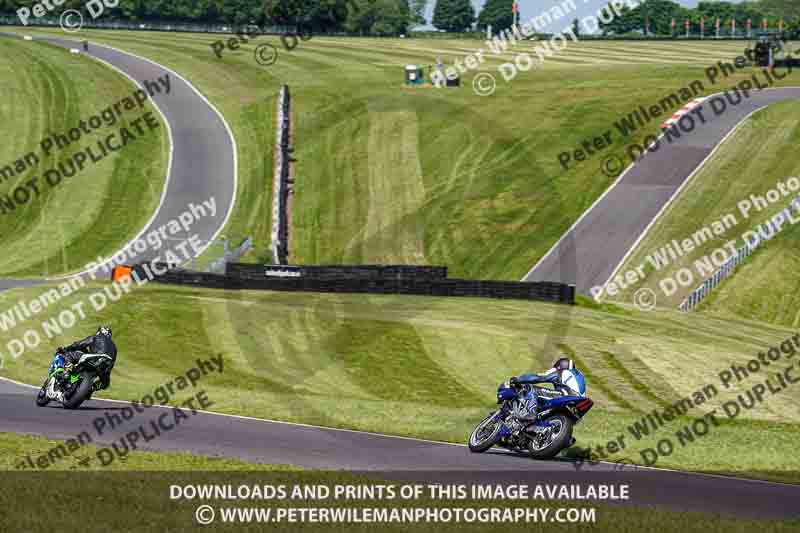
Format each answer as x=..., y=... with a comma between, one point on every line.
x=533, y=430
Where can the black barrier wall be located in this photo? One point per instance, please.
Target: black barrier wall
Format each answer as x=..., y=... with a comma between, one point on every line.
x=543, y=291
x=333, y=272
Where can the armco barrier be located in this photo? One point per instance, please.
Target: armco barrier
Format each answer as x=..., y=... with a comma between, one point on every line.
x=764, y=232
x=332, y=272
x=544, y=291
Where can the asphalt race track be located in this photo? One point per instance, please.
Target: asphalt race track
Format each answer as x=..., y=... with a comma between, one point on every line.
x=393, y=457
x=204, y=165
x=589, y=253
x=203, y=162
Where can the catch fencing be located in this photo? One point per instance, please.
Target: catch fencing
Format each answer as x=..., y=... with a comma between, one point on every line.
x=765, y=232
x=280, y=187
x=107, y=22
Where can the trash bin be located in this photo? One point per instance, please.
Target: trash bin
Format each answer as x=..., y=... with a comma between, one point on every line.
x=454, y=82
x=414, y=75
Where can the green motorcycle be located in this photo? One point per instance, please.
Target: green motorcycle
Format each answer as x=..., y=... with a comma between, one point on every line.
x=80, y=382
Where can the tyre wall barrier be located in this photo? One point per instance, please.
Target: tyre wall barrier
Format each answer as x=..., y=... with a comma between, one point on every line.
x=327, y=272
x=542, y=291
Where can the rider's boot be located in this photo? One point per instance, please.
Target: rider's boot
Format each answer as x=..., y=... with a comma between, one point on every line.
x=61, y=378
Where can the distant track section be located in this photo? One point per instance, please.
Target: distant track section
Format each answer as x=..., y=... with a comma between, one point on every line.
x=203, y=162
x=591, y=251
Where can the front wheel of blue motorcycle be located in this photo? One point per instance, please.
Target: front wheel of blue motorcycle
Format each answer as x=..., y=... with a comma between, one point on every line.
x=556, y=437
x=484, y=436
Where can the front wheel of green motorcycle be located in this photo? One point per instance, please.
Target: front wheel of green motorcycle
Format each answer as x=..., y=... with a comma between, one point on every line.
x=41, y=399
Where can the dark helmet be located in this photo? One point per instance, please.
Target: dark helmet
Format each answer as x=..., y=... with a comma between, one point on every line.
x=564, y=364
x=104, y=330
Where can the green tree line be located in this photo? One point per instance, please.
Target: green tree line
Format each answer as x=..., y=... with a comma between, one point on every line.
x=377, y=17
x=393, y=17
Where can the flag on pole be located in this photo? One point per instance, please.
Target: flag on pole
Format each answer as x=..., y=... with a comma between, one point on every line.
x=717, y=24
x=733, y=28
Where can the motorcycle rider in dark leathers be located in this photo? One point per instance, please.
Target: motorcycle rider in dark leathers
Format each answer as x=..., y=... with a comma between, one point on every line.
x=68, y=357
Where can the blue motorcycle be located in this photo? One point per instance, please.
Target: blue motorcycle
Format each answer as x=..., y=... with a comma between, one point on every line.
x=542, y=437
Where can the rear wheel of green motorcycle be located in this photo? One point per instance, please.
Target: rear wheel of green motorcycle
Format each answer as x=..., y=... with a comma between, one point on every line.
x=41, y=399
x=82, y=393
x=484, y=436
x=558, y=440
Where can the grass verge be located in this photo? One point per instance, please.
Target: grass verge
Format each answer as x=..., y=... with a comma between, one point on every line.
x=46, y=91
x=13, y=446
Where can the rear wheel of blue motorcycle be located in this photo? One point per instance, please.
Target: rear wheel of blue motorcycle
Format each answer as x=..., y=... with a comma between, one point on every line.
x=484, y=436
x=82, y=392
x=560, y=440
